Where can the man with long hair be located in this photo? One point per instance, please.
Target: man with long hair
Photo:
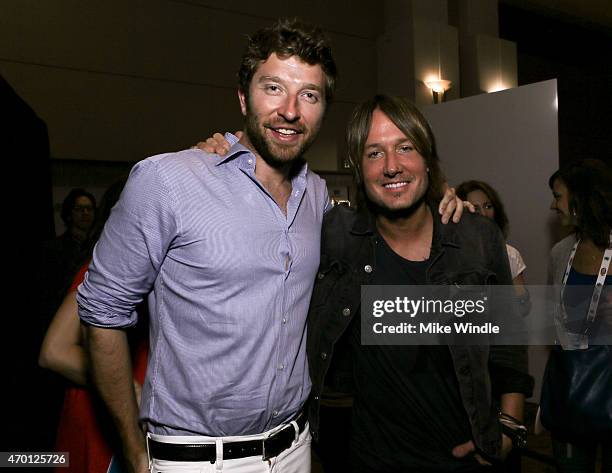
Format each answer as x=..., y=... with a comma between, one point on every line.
x=416, y=408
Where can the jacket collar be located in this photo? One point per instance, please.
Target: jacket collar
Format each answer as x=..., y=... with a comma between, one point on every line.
x=443, y=235
x=364, y=223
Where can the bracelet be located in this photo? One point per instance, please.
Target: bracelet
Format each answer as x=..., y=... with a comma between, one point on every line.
x=514, y=429
x=524, y=303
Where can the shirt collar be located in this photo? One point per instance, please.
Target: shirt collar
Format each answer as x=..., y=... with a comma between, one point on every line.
x=237, y=149
x=246, y=159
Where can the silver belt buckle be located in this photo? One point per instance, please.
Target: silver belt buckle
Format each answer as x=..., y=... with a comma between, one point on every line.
x=264, y=454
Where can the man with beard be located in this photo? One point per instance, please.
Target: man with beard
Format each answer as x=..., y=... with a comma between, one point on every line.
x=416, y=408
x=226, y=249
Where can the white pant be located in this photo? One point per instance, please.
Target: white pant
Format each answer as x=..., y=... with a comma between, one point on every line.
x=295, y=459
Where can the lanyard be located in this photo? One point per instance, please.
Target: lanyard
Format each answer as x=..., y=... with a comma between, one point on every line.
x=599, y=284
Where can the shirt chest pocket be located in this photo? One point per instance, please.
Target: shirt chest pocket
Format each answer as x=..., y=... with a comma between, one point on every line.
x=337, y=283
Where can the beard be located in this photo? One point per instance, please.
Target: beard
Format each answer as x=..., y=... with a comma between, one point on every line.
x=274, y=154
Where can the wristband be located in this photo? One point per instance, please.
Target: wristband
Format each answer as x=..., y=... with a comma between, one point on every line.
x=514, y=429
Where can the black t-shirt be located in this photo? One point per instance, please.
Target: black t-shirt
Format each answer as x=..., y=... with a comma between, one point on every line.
x=407, y=411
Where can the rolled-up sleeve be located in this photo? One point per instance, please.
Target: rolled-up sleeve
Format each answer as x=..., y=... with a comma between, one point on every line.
x=128, y=256
x=510, y=379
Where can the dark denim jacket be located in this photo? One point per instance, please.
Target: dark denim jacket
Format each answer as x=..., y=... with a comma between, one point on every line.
x=471, y=252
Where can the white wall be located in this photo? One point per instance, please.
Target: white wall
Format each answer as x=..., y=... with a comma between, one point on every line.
x=510, y=140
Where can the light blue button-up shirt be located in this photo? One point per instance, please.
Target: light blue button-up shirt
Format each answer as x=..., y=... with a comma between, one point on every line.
x=228, y=278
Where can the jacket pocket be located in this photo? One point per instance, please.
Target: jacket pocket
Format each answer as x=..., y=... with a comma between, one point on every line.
x=326, y=280
x=470, y=277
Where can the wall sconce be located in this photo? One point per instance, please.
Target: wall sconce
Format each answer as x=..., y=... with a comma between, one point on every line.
x=438, y=87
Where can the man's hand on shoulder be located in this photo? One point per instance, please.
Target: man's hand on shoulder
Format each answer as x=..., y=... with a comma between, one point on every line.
x=453, y=206
x=216, y=144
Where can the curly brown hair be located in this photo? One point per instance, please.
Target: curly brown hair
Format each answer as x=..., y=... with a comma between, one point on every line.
x=289, y=37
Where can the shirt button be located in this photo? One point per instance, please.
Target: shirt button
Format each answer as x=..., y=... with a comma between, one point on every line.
x=323, y=356
x=284, y=320
x=346, y=311
x=367, y=268
x=281, y=367
x=274, y=413
x=250, y=161
x=320, y=276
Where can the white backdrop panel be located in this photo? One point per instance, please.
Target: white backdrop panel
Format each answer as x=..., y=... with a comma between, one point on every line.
x=510, y=140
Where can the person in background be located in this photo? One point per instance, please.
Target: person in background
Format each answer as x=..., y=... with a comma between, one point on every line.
x=576, y=404
x=78, y=212
x=84, y=428
x=59, y=260
x=62, y=255
x=487, y=202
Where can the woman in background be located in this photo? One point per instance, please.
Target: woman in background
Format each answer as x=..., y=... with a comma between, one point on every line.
x=577, y=390
x=85, y=430
x=487, y=203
